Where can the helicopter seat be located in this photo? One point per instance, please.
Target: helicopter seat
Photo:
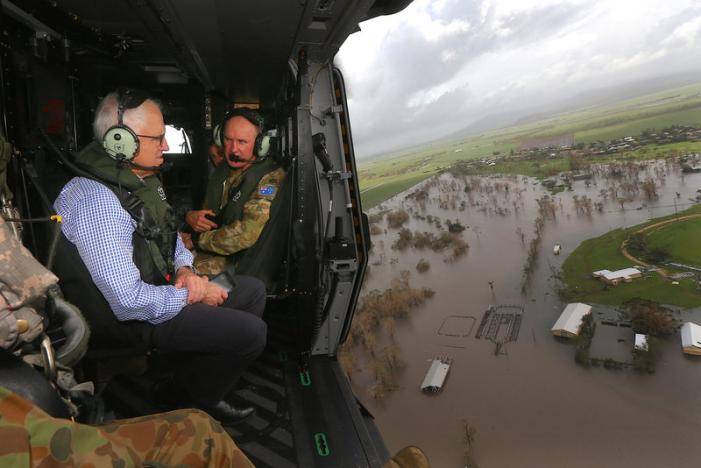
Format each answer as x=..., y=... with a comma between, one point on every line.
x=109, y=338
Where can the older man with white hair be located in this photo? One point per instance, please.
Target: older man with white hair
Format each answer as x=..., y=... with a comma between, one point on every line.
x=117, y=218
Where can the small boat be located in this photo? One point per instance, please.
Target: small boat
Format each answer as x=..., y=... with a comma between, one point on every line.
x=556, y=249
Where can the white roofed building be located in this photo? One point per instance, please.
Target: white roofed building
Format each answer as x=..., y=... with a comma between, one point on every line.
x=614, y=277
x=436, y=375
x=571, y=320
x=691, y=338
x=641, y=343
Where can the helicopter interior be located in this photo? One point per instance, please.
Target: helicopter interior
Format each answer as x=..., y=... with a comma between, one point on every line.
x=200, y=59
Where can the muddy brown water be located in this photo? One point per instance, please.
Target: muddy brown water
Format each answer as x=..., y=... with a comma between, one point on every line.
x=532, y=406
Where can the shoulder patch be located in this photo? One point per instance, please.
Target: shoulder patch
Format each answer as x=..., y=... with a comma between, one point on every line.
x=267, y=190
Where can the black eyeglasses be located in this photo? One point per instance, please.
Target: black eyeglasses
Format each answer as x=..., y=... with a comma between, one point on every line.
x=158, y=138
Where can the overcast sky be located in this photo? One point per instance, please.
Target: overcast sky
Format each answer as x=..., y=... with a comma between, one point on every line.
x=440, y=65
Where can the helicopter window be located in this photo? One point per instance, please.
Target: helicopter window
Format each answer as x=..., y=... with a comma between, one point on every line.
x=178, y=140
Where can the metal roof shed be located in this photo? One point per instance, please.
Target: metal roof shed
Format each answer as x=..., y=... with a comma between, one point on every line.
x=433, y=382
x=641, y=342
x=570, y=320
x=691, y=338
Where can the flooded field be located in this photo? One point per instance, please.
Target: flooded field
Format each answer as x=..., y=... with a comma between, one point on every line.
x=530, y=404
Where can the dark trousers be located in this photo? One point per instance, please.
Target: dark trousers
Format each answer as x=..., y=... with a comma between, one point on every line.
x=214, y=345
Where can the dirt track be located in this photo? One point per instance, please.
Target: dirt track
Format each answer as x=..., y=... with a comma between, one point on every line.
x=651, y=227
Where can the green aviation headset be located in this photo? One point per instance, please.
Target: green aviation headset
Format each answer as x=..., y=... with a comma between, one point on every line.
x=261, y=147
x=120, y=141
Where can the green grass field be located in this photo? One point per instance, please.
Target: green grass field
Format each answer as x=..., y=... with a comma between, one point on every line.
x=384, y=176
x=681, y=240
x=604, y=253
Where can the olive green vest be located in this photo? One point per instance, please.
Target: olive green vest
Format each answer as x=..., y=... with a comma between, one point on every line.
x=263, y=259
x=145, y=200
x=239, y=194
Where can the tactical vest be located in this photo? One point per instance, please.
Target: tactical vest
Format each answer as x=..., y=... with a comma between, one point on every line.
x=156, y=233
x=263, y=259
x=239, y=194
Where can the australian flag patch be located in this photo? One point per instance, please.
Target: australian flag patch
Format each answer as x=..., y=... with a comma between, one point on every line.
x=267, y=190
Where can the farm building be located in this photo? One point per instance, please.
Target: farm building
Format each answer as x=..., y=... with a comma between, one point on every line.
x=641, y=342
x=570, y=320
x=433, y=382
x=691, y=338
x=614, y=277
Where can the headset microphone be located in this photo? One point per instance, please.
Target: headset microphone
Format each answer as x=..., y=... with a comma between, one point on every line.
x=234, y=159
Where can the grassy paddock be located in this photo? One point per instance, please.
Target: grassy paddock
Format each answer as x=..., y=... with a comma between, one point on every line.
x=604, y=253
x=383, y=191
x=681, y=240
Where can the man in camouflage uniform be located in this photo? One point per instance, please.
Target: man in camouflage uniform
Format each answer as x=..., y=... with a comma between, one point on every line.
x=189, y=437
x=240, y=197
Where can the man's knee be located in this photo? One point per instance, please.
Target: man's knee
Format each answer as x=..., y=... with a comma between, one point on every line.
x=259, y=339
x=249, y=294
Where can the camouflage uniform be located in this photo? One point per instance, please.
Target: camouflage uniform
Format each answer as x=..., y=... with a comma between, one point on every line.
x=23, y=285
x=188, y=438
x=215, y=246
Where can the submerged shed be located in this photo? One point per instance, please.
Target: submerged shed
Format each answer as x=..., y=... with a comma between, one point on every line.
x=570, y=320
x=641, y=343
x=691, y=338
x=433, y=382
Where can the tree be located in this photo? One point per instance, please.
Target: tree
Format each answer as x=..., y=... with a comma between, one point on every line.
x=651, y=318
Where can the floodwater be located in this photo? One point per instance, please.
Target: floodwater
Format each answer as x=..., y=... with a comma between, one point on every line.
x=532, y=405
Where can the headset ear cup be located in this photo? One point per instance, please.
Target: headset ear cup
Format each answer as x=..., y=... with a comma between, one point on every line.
x=120, y=143
x=216, y=136
x=263, y=145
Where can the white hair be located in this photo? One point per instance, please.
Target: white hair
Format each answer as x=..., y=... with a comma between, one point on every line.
x=107, y=115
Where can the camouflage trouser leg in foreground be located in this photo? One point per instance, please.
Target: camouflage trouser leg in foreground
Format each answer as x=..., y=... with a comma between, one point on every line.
x=188, y=438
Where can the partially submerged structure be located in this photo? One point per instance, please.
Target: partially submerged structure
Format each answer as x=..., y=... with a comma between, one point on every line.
x=570, y=320
x=691, y=338
x=436, y=375
x=614, y=277
x=641, y=343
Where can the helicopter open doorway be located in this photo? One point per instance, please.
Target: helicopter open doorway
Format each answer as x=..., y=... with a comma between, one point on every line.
x=199, y=58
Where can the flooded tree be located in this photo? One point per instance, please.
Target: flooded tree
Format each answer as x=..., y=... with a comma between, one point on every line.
x=469, y=433
x=392, y=357
x=650, y=189
x=397, y=218
x=454, y=227
x=651, y=318
x=404, y=239
x=389, y=324
x=374, y=323
x=347, y=359
x=582, y=205
x=423, y=266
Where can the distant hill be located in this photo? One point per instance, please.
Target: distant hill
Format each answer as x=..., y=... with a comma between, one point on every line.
x=613, y=94
x=590, y=98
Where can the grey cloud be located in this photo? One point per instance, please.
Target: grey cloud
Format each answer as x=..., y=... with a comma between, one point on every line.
x=410, y=64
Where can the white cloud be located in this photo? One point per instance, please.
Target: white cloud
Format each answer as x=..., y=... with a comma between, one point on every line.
x=440, y=65
x=685, y=35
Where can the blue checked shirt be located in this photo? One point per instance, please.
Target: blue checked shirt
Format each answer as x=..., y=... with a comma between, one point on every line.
x=94, y=220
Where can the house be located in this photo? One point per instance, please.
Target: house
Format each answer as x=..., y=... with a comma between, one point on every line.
x=570, y=320
x=433, y=382
x=691, y=338
x=641, y=342
x=614, y=277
